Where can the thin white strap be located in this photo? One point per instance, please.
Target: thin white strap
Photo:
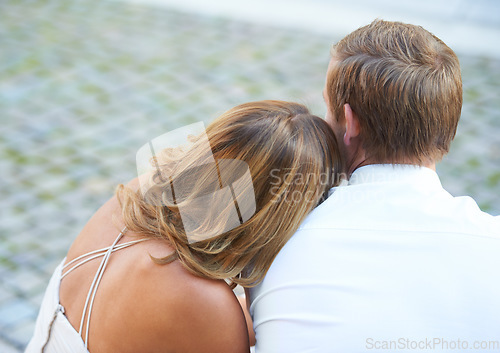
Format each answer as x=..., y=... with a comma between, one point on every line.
x=83, y=259
x=100, y=252
x=101, y=272
x=93, y=286
x=94, y=281
x=85, y=255
x=97, y=280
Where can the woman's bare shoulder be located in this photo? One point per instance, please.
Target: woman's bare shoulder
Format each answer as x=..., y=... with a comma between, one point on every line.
x=203, y=315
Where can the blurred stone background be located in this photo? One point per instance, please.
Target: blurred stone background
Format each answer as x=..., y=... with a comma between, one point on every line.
x=84, y=84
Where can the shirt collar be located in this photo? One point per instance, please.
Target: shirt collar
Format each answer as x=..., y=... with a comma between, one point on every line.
x=406, y=173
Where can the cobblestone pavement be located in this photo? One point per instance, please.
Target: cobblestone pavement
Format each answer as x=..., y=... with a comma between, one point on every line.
x=84, y=84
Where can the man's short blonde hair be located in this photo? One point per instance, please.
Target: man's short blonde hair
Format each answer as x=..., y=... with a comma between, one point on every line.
x=405, y=87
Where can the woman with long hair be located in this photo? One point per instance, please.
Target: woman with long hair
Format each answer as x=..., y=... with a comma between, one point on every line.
x=154, y=268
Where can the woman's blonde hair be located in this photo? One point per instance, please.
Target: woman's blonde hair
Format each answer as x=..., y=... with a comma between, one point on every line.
x=293, y=160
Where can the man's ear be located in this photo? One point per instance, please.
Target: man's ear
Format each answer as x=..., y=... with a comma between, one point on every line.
x=351, y=124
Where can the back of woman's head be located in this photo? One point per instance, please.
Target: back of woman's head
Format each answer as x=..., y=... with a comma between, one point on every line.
x=227, y=213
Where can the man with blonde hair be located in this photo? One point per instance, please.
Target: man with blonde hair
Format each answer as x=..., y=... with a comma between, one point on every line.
x=390, y=261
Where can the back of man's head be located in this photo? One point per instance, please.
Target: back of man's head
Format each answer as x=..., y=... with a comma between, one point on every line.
x=404, y=86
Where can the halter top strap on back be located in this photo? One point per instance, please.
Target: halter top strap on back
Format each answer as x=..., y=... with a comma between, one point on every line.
x=105, y=253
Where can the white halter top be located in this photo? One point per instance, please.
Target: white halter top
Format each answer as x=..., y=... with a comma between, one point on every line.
x=53, y=332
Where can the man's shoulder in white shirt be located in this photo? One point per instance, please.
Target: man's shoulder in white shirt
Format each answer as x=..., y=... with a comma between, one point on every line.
x=391, y=255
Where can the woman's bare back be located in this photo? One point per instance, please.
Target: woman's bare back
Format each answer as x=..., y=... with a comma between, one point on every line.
x=141, y=306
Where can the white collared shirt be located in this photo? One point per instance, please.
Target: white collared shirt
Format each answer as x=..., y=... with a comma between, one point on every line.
x=390, y=260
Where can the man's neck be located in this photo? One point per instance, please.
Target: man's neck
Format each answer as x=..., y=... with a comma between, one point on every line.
x=364, y=161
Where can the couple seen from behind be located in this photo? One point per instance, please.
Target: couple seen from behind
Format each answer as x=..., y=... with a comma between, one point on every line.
x=352, y=244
